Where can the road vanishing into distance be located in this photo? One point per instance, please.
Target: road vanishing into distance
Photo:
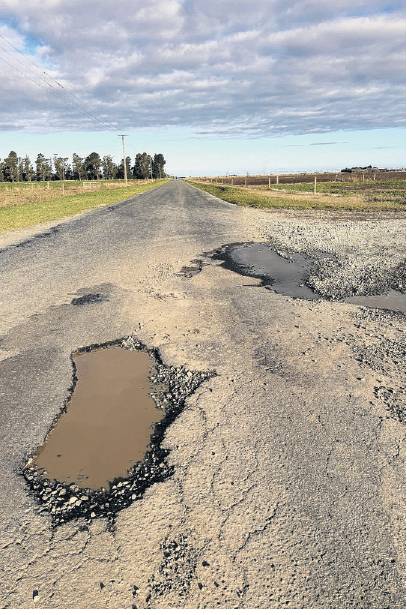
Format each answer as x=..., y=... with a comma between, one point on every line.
x=286, y=489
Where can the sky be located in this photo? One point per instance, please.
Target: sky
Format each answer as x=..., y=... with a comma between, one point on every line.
x=217, y=86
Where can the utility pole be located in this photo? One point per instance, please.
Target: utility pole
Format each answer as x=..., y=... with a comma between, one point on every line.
x=124, y=159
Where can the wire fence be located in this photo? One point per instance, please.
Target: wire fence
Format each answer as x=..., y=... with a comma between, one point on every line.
x=299, y=178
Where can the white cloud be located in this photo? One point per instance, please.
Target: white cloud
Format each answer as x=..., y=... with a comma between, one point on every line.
x=250, y=67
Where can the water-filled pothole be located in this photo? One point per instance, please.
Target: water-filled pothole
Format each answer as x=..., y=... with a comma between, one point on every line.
x=109, y=435
x=107, y=426
x=288, y=274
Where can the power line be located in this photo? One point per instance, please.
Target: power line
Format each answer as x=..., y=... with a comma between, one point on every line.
x=46, y=78
x=15, y=67
x=17, y=59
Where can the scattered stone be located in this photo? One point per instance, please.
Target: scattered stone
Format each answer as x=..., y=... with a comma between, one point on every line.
x=177, y=569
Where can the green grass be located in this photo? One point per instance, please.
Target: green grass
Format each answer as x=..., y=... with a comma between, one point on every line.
x=384, y=195
x=21, y=215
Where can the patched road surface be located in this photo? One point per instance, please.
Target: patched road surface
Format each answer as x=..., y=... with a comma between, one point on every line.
x=287, y=484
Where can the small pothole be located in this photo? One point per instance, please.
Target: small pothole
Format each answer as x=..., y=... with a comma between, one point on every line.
x=89, y=298
x=188, y=271
x=104, y=450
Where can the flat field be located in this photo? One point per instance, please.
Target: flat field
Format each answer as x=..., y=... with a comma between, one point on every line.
x=384, y=194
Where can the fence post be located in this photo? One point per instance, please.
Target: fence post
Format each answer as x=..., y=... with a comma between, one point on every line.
x=277, y=180
x=315, y=184
x=269, y=181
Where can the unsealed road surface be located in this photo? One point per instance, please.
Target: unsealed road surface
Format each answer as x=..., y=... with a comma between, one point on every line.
x=287, y=489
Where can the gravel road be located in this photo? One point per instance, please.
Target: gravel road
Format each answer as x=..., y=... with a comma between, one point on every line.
x=287, y=488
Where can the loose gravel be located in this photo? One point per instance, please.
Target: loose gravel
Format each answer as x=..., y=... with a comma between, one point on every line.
x=351, y=256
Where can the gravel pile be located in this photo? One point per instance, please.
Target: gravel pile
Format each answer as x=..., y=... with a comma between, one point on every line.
x=351, y=256
x=171, y=387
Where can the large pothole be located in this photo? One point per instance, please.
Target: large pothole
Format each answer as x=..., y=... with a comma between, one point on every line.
x=109, y=419
x=286, y=274
x=104, y=450
x=289, y=274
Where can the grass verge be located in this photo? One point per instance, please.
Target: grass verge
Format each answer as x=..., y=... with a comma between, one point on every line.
x=22, y=215
x=359, y=197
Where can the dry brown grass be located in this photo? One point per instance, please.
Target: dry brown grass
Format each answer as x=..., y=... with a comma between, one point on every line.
x=23, y=193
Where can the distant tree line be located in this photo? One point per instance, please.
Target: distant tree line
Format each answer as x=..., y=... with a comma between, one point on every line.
x=13, y=168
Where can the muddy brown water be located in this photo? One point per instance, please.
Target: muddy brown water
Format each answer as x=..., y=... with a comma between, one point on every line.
x=108, y=423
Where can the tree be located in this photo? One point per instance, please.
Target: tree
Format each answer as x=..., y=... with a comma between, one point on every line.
x=77, y=167
x=109, y=168
x=10, y=167
x=61, y=167
x=142, y=166
x=13, y=168
x=20, y=170
x=158, y=166
x=120, y=171
x=137, y=167
x=92, y=166
x=27, y=170
x=43, y=170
